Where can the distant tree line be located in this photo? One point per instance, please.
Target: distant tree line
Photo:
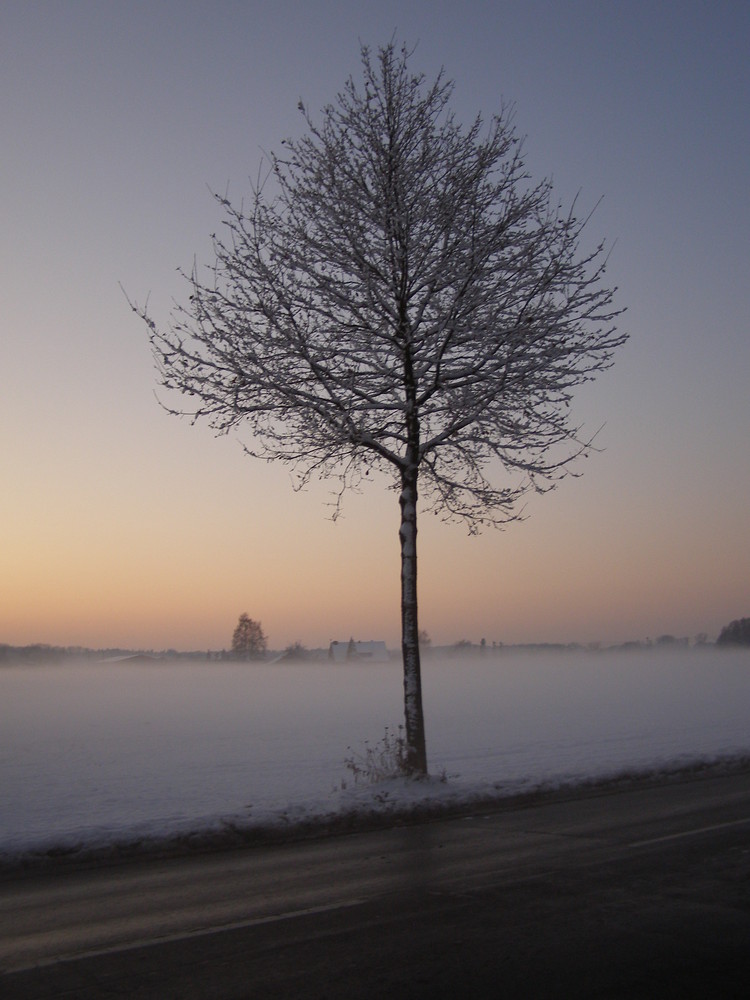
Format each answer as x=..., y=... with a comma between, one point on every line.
x=44, y=653
x=249, y=642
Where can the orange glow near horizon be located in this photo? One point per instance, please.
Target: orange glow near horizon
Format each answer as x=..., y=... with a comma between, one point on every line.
x=160, y=582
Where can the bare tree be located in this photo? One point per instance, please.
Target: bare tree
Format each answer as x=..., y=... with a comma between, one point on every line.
x=398, y=295
x=248, y=639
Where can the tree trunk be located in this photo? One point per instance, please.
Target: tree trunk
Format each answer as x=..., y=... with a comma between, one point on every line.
x=416, y=750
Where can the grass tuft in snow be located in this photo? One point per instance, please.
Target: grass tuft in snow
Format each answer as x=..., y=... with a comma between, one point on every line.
x=382, y=761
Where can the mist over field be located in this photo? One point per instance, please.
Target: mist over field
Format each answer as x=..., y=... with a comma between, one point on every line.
x=95, y=752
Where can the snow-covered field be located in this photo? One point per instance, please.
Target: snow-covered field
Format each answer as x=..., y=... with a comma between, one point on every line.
x=92, y=754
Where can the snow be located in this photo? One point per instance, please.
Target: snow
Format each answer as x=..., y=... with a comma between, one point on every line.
x=98, y=754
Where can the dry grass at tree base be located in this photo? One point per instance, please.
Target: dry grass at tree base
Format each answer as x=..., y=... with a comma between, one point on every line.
x=385, y=760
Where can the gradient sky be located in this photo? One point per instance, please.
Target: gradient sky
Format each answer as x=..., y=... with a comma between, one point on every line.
x=120, y=525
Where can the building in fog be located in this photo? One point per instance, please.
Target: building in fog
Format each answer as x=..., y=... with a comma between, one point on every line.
x=371, y=651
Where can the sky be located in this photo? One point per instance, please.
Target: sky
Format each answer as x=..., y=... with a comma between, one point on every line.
x=121, y=525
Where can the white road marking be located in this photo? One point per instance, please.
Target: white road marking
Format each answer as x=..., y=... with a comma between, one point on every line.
x=689, y=833
x=74, y=956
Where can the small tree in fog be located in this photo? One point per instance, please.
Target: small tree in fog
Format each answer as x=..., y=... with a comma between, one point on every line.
x=248, y=640
x=397, y=295
x=296, y=651
x=424, y=639
x=736, y=633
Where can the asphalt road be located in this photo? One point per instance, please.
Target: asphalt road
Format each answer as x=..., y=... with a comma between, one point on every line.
x=640, y=893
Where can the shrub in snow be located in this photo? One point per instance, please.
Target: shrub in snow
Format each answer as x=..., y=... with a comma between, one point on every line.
x=386, y=759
